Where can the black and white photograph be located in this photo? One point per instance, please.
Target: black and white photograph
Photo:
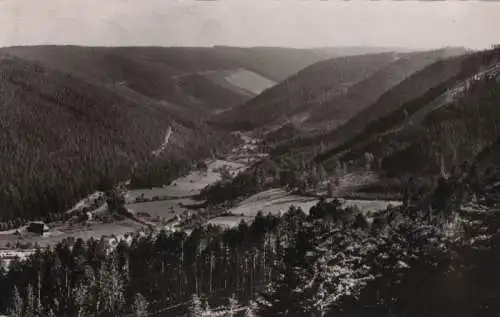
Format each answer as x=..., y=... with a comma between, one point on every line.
x=249, y=158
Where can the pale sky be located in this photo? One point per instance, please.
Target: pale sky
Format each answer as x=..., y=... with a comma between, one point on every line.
x=292, y=23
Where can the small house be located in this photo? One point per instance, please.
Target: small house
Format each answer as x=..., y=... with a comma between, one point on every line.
x=38, y=227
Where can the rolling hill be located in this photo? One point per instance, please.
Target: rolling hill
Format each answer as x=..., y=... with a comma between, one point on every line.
x=329, y=93
x=154, y=73
x=412, y=87
x=62, y=136
x=204, y=79
x=340, y=109
x=279, y=63
x=320, y=81
x=74, y=118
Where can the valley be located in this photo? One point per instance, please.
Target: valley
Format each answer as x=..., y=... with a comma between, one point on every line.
x=163, y=207
x=213, y=181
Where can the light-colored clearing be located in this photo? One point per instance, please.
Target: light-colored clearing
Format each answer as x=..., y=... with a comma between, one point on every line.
x=85, y=202
x=163, y=146
x=60, y=231
x=191, y=184
x=162, y=208
x=277, y=201
x=249, y=81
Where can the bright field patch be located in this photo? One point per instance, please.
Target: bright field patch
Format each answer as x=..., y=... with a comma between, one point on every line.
x=278, y=201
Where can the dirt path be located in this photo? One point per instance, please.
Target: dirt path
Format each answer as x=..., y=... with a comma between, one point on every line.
x=163, y=146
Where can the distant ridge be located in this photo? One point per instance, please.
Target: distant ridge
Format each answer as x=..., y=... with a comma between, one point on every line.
x=330, y=92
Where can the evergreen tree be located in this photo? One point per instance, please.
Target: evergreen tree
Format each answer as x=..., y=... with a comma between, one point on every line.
x=225, y=174
x=30, y=309
x=368, y=161
x=116, y=198
x=330, y=189
x=360, y=222
x=285, y=299
x=205, y=306
x=80, y=294
x=140, y=306
x=281, y=301
x=195, y=309
x=16, y=306
x=338, y=168
x=314, y=178
x=233, y=304
x=259, y=181
x=90, y=301
x=303, y=186
x=251, y=309
x=322, y=173
x=111, y=288
x=3, y=270
x=38, y=297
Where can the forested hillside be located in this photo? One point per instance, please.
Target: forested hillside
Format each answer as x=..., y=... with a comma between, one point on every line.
x=173, y=74
x=62, y=136
x=449, y=123
x=410, y=88
x=320, y=81
x=156, y=73
x=279, y=63
x=330, y=92
x=432, y=253
x=74, y=118
x=341, y=109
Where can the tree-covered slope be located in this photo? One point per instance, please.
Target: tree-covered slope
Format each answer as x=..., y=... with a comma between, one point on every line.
x=410, y=88
x=319, y=82
x=449, y=123
x=363, y=95
x=61, y=136
x=173, y=74
x=330, y=92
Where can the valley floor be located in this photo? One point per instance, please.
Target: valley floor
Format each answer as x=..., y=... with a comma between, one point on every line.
x=168, y=202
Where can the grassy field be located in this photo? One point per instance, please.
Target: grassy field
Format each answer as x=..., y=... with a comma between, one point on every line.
x=161, y=208
x=179, y=193
x=191, y=184
x=249, y=81
x=276, y=201
x=60, y=231
x=153, y=211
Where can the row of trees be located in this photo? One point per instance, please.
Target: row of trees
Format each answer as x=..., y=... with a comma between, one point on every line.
x=82, y=278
